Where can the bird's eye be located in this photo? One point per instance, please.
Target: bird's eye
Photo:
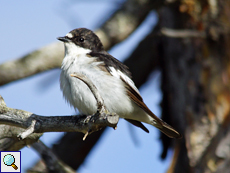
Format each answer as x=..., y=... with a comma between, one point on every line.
x=81, y=39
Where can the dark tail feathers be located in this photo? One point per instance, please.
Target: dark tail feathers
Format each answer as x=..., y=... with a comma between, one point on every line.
x=169, y=130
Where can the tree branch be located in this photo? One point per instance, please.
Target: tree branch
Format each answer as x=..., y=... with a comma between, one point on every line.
x=46, y=58
x=125, y=21
x=185, y=33
x=40, y=124
x=53, y=164
x=28, y=131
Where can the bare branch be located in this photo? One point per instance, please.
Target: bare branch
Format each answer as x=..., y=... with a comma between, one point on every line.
x=28, y=131
x=80, y=123
x=86, y=134
x=9, y=140
x=8, y=134
x=44, y=59
x=53, y=164
x=73, y=144
x=125, y=21
x=40, y=124
x=185, y=33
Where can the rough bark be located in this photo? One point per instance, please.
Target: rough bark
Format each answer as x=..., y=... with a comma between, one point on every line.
x=195, y=84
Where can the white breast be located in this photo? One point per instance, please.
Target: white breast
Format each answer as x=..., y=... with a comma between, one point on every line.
x=78, y=94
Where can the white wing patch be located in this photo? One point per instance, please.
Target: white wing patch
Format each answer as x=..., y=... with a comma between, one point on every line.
x=119, y=74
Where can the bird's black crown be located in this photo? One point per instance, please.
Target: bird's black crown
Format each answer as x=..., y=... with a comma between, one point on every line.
x=87, y=39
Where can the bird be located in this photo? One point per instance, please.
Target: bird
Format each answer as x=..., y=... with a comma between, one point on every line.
x=85, y=54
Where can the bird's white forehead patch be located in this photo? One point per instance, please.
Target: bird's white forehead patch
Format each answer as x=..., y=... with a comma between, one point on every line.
x=69, y=35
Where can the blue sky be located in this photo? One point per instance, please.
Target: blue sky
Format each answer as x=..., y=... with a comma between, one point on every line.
x=27, y=26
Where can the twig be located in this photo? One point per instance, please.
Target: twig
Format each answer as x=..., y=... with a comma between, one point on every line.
x=182, y=33
x=28, y=131
x=86, y=134
x=93, y=89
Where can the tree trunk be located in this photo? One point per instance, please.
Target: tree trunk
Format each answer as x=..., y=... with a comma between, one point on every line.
x=195, y=68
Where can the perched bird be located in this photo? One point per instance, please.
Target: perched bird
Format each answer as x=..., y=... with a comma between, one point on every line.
x=85, y=54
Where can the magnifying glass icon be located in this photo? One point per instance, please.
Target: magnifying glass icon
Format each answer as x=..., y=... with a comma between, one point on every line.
x=9, y=160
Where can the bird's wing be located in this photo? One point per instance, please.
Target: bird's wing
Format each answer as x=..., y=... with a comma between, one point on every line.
x=109, y=62
x=137, y=124
x=109, y=65
x=119, y=70
x=135, y=96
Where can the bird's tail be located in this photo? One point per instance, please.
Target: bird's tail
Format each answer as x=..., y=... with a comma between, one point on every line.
x=169, y=130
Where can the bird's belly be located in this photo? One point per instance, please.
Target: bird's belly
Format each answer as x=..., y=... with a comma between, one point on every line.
x=111, y=89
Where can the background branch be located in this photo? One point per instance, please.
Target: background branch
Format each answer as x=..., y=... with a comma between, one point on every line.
x=185, y=33
x=52, y=162
x=46, y=58
x=120, y=25
x=126, y=20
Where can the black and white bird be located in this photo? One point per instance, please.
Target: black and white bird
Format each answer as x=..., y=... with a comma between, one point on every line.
x=84, y=54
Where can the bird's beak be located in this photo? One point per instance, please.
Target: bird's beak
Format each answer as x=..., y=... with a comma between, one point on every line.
x=64, y=39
